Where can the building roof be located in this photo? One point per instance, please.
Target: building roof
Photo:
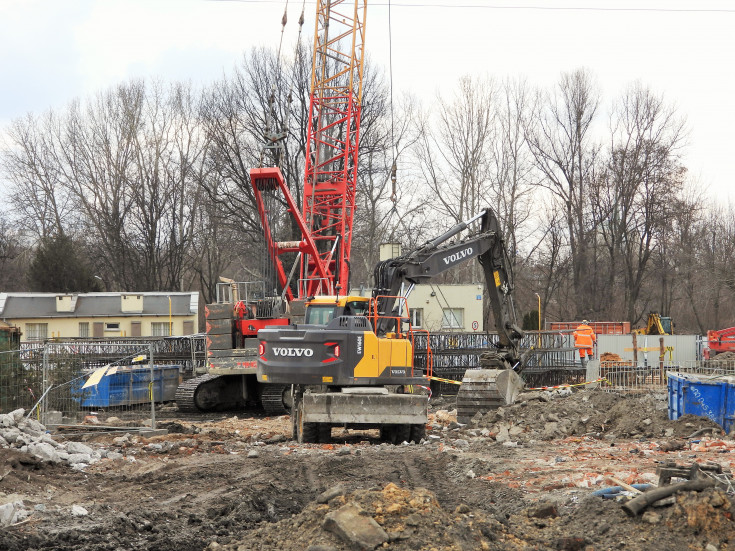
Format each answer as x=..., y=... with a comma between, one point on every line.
x=84, y=305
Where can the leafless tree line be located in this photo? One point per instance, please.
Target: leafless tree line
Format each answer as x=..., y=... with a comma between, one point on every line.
x=150, y=181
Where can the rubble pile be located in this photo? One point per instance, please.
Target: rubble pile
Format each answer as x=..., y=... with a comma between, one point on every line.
x=548, y=415
x=29, y=436
x=393, y=517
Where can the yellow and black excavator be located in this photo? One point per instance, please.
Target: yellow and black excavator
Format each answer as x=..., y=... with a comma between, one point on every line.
x=351, y=363
x=656, y=325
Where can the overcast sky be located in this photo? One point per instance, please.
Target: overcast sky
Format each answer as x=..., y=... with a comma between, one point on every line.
x=52, y=51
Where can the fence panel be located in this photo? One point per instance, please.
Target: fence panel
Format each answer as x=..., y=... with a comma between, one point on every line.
x=628, y=377
x=552, y=359
x=21, y=378
x=48, y=381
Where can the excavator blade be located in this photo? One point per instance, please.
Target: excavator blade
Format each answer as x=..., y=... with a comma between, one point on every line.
x=483, y=390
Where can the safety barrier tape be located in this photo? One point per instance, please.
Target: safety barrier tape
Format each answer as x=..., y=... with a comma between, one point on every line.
x=445, y=380
x=535, y=388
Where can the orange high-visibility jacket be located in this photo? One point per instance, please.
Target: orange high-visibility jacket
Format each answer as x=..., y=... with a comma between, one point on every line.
x=584, y=336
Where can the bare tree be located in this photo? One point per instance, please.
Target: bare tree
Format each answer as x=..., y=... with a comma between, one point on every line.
x=40, y=200
x=512, y=176
x=560, y=139
x=642, y=178
x=455, y=150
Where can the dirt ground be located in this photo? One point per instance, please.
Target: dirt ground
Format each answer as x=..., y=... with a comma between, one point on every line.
x=522, y=477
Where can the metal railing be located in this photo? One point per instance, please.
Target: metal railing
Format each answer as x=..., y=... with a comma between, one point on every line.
x=552, y=361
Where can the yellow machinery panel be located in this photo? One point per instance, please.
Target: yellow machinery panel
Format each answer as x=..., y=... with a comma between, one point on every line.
x=381, y=353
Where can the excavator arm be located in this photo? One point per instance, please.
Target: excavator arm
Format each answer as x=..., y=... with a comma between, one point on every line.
x=397, y=276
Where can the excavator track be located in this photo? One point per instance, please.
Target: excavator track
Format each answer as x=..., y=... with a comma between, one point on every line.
x=186, y=393
x=276, y=399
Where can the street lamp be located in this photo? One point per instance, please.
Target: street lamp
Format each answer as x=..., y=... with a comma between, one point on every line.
x=538, y=344
x=170, y=321
x=103, y=282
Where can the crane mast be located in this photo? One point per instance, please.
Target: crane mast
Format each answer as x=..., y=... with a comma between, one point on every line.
x=330, y=177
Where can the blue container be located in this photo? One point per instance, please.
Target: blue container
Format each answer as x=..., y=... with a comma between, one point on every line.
x=131, y=385
x=703, y=395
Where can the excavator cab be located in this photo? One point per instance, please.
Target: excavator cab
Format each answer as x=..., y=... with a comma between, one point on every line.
x=322, y=310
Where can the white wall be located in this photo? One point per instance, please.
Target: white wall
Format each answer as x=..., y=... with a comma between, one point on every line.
x=679, y=348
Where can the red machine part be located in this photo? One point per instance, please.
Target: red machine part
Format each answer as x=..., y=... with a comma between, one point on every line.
x=719, y=342
x=249, y=328
x=270, y=180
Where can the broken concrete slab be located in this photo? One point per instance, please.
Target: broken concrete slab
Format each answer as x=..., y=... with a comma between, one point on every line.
x=12, y=510
x=77, y=447
x=44, y=452
x=358, y=531
x=79, y=458
x=78, y=511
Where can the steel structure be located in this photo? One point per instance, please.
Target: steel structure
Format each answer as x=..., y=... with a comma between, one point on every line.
x=330, y=179
x=552, y=360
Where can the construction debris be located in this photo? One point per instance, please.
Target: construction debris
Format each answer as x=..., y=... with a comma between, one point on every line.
x=239, y=483
x=30, y=436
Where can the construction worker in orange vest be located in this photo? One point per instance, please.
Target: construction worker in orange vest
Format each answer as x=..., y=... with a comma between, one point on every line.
x=584, y=341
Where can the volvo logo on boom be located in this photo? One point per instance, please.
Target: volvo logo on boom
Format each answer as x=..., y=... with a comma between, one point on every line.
x=298, y=352
x=459, y=255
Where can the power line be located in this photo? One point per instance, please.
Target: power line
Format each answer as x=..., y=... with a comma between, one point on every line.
x=518, y=7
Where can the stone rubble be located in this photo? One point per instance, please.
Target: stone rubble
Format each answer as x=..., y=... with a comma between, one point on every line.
x=12, y=511
x=29, y=436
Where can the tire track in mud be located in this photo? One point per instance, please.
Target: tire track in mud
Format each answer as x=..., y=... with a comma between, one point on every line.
x=307, y=473
x=414, y=478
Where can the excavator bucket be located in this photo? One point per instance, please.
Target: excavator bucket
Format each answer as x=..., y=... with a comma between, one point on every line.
x=483, y=390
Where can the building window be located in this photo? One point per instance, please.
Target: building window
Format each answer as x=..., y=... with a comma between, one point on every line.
x=84, y=329
x=36, y=331
x=417, y=316
x=112, y=326
x=452, y=318
x=160, y=329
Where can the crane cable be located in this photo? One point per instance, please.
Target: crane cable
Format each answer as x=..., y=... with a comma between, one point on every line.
x=393, y=169
x=394, y=149
x=274, y=137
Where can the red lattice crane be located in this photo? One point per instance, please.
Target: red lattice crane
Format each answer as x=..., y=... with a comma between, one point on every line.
x=330, y=179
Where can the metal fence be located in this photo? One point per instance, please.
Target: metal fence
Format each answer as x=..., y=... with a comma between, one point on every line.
x=552, y=357
x=629, y=378
x=189, y=351
x=48, y=381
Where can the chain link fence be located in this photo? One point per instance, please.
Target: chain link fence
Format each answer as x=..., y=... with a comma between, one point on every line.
x=129, y=380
